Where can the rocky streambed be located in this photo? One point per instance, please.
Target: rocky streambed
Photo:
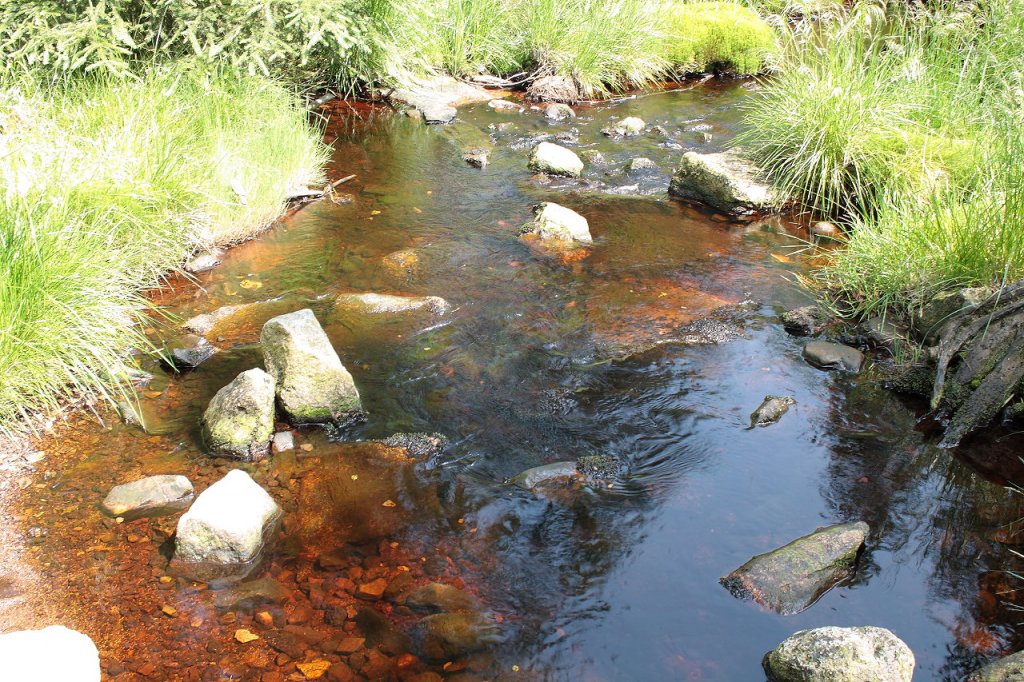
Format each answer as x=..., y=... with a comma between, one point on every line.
x=508, y=411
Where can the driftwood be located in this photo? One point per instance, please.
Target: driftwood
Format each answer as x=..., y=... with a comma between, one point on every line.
x=309, y=192
x=988, y=340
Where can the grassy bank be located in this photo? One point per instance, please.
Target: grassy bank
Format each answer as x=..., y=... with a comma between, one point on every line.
x=903, y=121
x=109, y=183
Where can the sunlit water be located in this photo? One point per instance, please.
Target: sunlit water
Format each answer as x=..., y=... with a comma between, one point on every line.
x=536, y=364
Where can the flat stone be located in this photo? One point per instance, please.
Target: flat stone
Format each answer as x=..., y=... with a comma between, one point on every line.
x=504, y=105
x=437, y=113
x=312, y=384
x=789, y=579
x=1007, y=669
x=350, y=645
x=445, y=636
x=379, y=304
x=150, y=496
x=436, y=97
x=202, y=262
x=833, y=654
x=239, y=421
x=372, y=590
x=53, y=654
x=227, y=524
x=251, y=594
x=724, y=181
x=827, y=355
x=554, y=159
x=553, y=221
x=283, y=441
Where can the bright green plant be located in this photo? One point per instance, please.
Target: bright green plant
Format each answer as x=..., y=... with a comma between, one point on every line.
x=726, y=35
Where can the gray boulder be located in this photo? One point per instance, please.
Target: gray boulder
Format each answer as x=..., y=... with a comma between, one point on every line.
x=227, y=525
x=827, y=355
x=239, y=421
x=53, y=654
x=833, y=654
x=789, y=579
x=553, y=159
x=724, y=181
x=558, y=112
x=1008, y=669
x=150, y=496
x=553, y=221
x=312, y=384
x=627, y=127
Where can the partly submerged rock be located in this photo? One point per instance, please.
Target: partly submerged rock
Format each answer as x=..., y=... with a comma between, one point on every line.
x=312, y=384
x=504, y=105
x=771, y=410
x=627, y=127
x=545, y=474
x=789, y=579
x=417, y=445
x=250, y=594
x=225, y=529
x=1007, y=669
x=828, y=355
x=188, y=352
x=377, y=304
x=446, y=636
x=833, y=654
x=203, y=261
x=724, y=181
x=150, y=496
x=477, y=157
x=553, y=221
x=554, y=89
x=436, y=97
x=806, y=320
x=554, y=159
x=53, y=654
x=640, y=164
x=239, y=421
x=558, y=112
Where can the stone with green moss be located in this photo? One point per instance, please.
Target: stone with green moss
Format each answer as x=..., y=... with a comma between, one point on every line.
x=239, y=421
x=833, y=654
x=312, y=384
x=1004, y=670
x=789, y=579
x=725, y=181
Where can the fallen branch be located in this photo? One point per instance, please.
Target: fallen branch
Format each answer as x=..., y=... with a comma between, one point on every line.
x=342, y=181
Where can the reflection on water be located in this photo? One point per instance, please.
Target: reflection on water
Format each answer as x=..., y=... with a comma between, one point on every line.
x=542, y=359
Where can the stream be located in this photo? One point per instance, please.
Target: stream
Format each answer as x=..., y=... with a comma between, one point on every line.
x=542, y=358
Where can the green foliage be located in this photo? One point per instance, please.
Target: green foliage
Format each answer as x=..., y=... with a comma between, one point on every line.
x=722, y=35
x=107, y=185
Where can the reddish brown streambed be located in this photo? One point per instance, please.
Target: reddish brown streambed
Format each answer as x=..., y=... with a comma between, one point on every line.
x=543, y=359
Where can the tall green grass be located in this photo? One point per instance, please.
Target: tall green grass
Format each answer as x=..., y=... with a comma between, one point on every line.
x=902, y=120
x=108, y=184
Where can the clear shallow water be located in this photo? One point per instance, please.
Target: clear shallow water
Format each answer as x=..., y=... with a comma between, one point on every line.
x=534, y=365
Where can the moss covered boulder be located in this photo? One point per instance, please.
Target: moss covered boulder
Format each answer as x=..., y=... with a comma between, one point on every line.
x=312, y=384
x=789, y=579
x=724, y=181
x=832, y=654
x=1004, y=670
x=239, y=421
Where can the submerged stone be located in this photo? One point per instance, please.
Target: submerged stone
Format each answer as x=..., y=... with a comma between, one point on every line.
x=1007, y=669
x=554, y=159
x=239, y=421
x=440, y=597
x=445, y=636
x=771, y=410
x=827, y=355
x=226, y=527
x=553, y=221
x=378, y=304
x=312, y=384
x=53, y=654
x=833, y=654
x=558, y=112
x=545, y=474
x=188, y=352
x=789, y=579
x=150, y=496
x=724, y=181
x=251, y=594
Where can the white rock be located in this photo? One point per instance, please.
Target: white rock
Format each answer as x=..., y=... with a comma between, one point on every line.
x=559, y=112
x=312, y=384
x=628, y=126
x=283, y=441
x=555, y=160
x=552, y=221
x=226, y=523
x=53, y=654
x=725, y=181
x=150, y=496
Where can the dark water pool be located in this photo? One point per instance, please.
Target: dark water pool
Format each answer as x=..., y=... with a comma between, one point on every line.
x=544, y=357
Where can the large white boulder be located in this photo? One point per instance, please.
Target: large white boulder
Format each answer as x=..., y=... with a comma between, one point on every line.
x=554, y=159
x=150, y=496
x=312, y=384
x=553, y=221
x=833, y=654
x=53, y=654
x=227, y=523
x=239, y=421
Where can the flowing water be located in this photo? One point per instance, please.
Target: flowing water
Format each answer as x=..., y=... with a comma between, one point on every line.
x=544, y=357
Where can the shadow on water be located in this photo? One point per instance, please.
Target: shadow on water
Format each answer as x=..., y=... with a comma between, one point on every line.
x=544, y=357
